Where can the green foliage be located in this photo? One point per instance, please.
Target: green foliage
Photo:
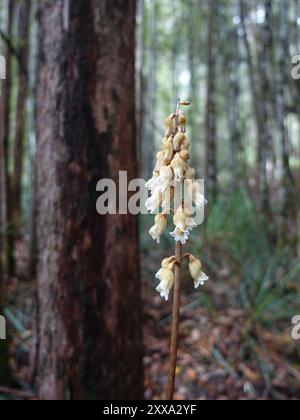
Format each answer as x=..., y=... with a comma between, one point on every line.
x=267, y=283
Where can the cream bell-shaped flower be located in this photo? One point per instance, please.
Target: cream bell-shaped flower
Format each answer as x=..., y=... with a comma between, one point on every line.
x=195, y=268
x=182, y=121
x=167, y=198
x=168, y=149
x=152, y=204
x=179, y=167
x=185, y=155
x=153, y=183
x=166, y=277
x=190, y=221
x=192, y=188
x=190, y=173
x=178, y=140
x=179, y=219
x=181, y=232
x=165, y=178
x=160, y=226
x=160, y=161
x=185, y=144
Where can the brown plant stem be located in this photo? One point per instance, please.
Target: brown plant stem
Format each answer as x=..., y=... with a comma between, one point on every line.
x=175, y=323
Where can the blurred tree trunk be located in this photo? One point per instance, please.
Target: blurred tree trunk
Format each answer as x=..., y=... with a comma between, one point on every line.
x=258, y=85
x=23, y=78
x=232, y=61
x=148, y=141
x=211, y=129
x=141, y=81
x=289, y=208
x=193, y=95
x=5, y=255
x=5, y=202
x=88, y=270
x=266, y=138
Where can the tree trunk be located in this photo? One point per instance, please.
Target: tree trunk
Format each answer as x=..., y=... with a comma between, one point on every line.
x=289, y=208
x=7, y=242
x=148, y=143
x=211, y=131
x=23, y=50
x=4, y=185
x=259, y=90
x=88, y=270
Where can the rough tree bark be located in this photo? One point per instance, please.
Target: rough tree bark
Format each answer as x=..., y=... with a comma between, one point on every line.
x=148, y=141
x=5, y=204
x=88, y=270
x=23, y=77
x=211, y=131
x=4, y=186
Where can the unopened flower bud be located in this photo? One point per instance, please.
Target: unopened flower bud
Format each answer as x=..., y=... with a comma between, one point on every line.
x=178, y=139
x=195, y=268
x=184, y=154
x=179, y=167
x=160, y=226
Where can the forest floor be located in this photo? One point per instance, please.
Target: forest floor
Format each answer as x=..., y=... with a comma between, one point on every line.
x=220, y=357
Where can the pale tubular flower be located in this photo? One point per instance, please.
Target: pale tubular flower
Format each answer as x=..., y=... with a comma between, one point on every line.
x=195, y=268
x=183, y=225
x=182, y=120
x=194, y=191
x=185, y=144
x=168, y=149
x=167, y=198
x=153, y=183
x=160, y=226
x=170, y=124
x=179, y=167
x=179, y=219
x=190, y=222
x=190, y=173
x=165, y=178
x=185, y=155
x=178, y=140
x=166, y=277
x=153, y=202
x=160, y=162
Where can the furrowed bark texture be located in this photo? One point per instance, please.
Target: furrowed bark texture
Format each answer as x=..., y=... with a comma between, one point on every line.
x=89, y=307
x=23, y=77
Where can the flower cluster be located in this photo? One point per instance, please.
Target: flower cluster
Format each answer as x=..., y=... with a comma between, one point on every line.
x=172, y=170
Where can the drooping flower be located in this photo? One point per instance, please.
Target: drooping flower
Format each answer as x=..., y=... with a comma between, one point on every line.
x=185, y=145
x=168, y=149
x=179, y=167
x=185, y=155
x=195, y=268
x=168, y=197
x=178, y=140
x=193, y=190
x=170, y=124
x=166, y=277
x=160, y=226
x=190, y=221
x=160, y=161
x=153, y=183
x=190, y=173
x=182, y=120
x=154, y=201
x=165, y=178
